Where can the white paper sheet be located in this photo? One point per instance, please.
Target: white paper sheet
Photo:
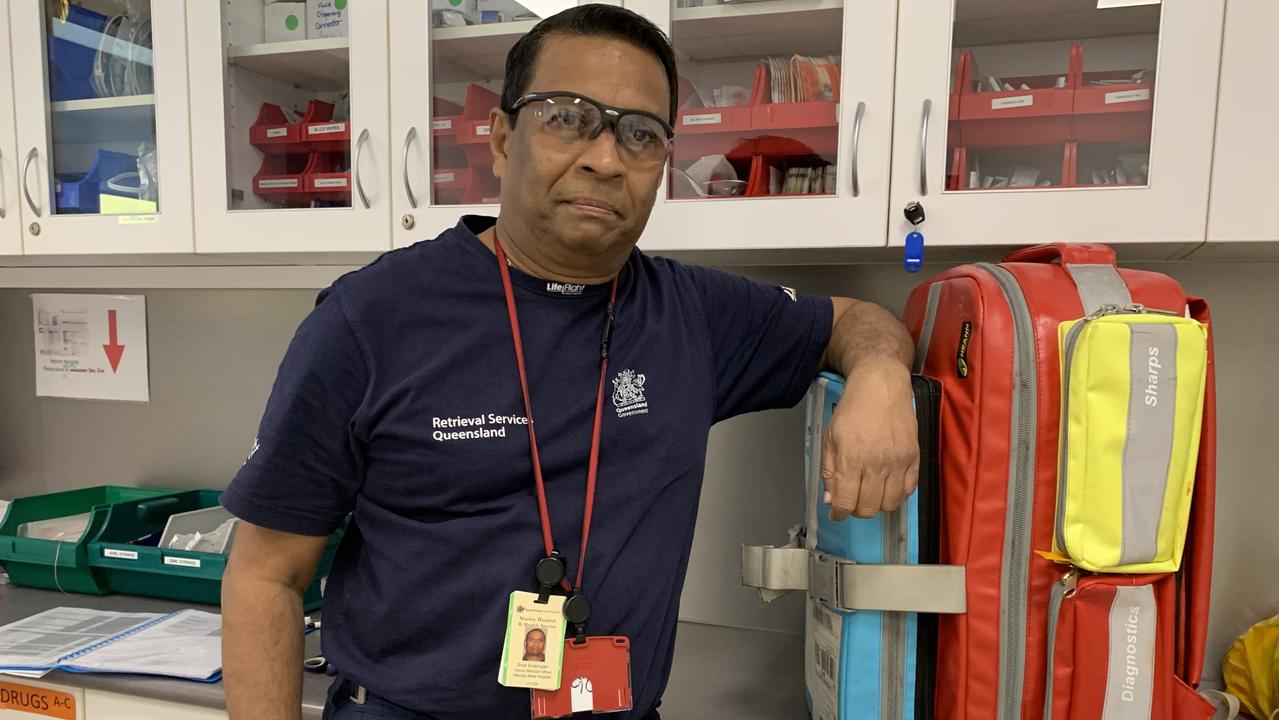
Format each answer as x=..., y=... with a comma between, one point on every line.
x=40, y=641
x=187, y=644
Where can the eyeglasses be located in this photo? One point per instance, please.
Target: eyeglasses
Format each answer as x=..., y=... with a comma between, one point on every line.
x=572, y=118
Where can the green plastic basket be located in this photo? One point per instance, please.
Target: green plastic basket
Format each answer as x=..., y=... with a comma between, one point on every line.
x=58, y=564
x=182, y=575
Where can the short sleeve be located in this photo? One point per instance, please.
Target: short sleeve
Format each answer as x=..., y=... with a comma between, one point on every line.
x=766, y=341
x=306, y=464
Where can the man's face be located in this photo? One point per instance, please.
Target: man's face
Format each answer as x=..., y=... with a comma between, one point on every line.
x=535, y=643
x=585, y=199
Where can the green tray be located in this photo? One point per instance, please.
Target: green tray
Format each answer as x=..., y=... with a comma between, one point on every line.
x=57, y=564
x=182, y=575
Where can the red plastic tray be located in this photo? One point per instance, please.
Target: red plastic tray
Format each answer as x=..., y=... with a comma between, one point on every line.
x=272, y=132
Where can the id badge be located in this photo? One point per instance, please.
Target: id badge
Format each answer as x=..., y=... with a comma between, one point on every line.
x=597, y=678
x=534, y=644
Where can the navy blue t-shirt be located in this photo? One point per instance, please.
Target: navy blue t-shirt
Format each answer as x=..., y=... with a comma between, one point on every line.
x=398, y=401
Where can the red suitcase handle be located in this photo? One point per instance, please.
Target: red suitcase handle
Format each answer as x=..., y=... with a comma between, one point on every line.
x=1067, y=253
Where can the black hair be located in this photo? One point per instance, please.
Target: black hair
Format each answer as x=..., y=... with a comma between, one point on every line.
x=588, y=20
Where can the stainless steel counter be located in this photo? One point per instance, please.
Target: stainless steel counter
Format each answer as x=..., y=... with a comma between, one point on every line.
x=718, y=672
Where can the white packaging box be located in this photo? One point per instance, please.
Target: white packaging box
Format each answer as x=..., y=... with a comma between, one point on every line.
x=284, y=21
x=327, y=18
x=470, y=9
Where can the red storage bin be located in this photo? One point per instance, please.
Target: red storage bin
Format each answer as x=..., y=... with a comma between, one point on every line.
x=327, y=137
x=967, y=157
x=1113, y=113
x=464, y=186
x=272, y=132
x=1038, y=116
x=327, y=178
x=280, y=179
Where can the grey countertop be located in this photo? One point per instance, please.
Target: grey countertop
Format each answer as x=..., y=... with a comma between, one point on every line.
x=758, y=675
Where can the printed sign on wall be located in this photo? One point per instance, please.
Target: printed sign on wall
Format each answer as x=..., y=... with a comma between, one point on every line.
x=91, y=346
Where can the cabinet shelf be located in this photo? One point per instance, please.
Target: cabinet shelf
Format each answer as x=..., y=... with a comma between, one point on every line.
x=757, y=29
x=475, y=52
x=322, y=65
x=131, y=117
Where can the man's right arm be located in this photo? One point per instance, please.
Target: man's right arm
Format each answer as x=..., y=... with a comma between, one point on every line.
x=262, y=633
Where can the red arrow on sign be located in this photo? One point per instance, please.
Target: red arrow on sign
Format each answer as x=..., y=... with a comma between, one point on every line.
x=114, y=350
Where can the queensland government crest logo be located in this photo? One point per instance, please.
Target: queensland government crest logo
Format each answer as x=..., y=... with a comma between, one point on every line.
x=628, y=394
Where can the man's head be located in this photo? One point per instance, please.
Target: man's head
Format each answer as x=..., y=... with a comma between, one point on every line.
x=535, y=644
x=584, y=200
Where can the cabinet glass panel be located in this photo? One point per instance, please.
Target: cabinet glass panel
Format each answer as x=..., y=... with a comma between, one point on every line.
x=758, y=98
x=102, y=107
x=288, y=103
x=469, y=43
x=1051, y=95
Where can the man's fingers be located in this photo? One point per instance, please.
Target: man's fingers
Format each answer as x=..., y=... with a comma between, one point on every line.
x=844, y=491
x=870, y=495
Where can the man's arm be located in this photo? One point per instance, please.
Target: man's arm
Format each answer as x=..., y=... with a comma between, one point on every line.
x=266, y=576
x=870, y=457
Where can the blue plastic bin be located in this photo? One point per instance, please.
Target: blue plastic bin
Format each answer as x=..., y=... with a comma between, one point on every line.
x=79, y=192
x=72, y=48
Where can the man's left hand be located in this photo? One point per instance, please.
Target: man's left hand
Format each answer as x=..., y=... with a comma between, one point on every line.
x=870, y=454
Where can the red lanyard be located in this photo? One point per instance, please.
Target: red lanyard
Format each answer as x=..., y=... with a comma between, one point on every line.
x=593, y=464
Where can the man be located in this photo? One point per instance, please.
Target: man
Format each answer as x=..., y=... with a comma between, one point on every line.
x=535, y=646
x=404, y=401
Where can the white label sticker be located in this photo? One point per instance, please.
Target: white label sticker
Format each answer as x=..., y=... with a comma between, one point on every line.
x=1127, y=96
x=283, y=183
x=824, y=630
x=1012, y=102
x=277, y=132
x=138, y=219
x=184, y=562
x=326, y=129
x=704, y=119
x=121, y=554
x=443, y=177
x=442, y=125
x=482, y=129
x=331, y=182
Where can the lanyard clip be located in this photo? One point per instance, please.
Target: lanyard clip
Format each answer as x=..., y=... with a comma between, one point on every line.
x=577, y=611
x=549, y=572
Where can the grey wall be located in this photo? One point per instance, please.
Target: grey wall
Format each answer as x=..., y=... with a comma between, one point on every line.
x=214, y=355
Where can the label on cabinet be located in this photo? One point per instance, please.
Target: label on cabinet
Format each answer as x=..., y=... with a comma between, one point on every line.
x=443, y=177
x=1127, y=96
x=37, y=701
x=138, y=219
x=282, y=183
x=330, y=182
x=482, y=130
x=703, y=119
x=277, y=132
x=120, y=554
x=442, y=125
x=182, y=561
x=1012, y=102
x=326, y=129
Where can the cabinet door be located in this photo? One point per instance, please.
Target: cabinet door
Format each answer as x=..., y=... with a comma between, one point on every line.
x=103, y=128
x=1078, y=121
x=783, y=131
x=1247, y=153
x=10, y=213
x=289, y=114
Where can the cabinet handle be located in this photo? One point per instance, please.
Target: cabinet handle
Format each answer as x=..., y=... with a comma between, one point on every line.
x=923, y=146
x=355, y=167
x=857, y=144
x=409, y=137
x=1, y=187
x=26, y=165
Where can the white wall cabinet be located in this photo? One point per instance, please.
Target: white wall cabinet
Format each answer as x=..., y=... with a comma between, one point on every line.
x=10, y=213
x=121, y=121
x=808, y=140
x=1056, y=121
x=292, y=152
x=1244, y=185
x=1129, y=90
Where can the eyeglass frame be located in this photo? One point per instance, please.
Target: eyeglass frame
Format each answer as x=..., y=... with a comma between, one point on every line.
x=609, y=115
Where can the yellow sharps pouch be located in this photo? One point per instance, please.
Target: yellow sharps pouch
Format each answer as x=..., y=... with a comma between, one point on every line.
x=1131, y=411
